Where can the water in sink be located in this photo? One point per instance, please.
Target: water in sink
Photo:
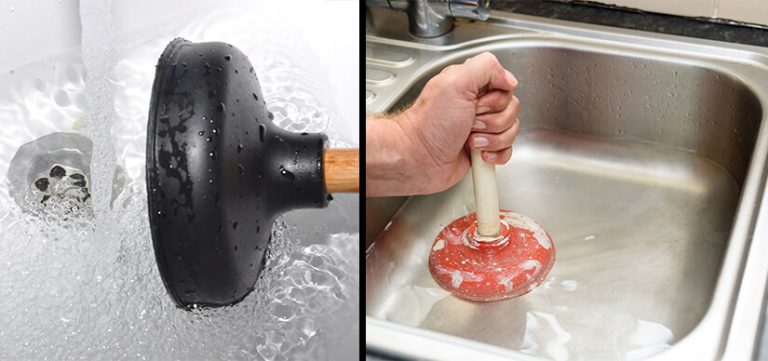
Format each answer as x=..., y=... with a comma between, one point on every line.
x=92, y=290
x=639, y=230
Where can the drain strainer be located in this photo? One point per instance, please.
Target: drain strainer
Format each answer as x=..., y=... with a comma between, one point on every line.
x=55, y=169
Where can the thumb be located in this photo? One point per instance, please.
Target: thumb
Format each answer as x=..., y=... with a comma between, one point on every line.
x=484, y=73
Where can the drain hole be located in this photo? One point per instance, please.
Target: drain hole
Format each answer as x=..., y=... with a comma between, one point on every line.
x=51, y=175
x=62, y=182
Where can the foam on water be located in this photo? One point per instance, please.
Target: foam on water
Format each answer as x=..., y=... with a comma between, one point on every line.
x=70, y=291
x=76, y=296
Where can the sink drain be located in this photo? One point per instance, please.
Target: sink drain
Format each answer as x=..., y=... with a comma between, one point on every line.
x=52, y=173
x=62, y=182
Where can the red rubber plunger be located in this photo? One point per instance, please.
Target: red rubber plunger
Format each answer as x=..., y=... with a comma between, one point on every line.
x=484, y=269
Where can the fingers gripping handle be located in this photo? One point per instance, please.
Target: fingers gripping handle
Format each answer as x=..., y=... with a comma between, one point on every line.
x=486, y=195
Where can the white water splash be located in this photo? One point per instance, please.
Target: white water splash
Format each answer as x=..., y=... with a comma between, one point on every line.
x=78, y=293
x=99, y=57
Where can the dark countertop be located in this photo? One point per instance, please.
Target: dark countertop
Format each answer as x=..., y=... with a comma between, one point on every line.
x=608, y=15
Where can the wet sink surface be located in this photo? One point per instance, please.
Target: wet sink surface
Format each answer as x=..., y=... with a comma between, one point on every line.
x=633, y=161
x=640, y=239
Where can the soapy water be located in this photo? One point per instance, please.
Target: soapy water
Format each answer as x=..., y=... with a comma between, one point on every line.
x=72, y=291
x=612, y=294
x=543, y=333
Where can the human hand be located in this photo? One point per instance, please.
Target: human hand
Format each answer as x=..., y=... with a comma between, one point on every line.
x=466, y=105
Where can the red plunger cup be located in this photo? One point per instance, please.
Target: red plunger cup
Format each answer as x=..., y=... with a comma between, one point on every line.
x=490, y=255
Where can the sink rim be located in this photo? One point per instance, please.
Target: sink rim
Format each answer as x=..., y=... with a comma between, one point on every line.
x=735, y=60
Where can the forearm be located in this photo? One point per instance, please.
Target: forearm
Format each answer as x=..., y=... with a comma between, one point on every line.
x=387, y=168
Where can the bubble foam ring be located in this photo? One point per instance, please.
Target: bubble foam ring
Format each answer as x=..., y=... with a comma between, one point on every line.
x=487, y=269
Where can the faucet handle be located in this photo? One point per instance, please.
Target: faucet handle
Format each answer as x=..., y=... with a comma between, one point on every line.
x=469, y=9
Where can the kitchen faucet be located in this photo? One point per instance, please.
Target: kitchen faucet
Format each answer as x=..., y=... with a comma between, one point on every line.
x=433, y=18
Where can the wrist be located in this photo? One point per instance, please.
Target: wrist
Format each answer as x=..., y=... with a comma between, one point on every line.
x=389, y=159
x=384, y=159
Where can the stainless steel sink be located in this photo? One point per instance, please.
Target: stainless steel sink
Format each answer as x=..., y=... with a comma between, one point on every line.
x=644, y=155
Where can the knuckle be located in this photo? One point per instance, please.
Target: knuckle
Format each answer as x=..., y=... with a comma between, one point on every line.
x=487, y=56
x=515, y=82
x=494, y=140
x=433, y=83
x=485, y=59
x=449, y=74
x=508, y=136
x=450, y=69
x=507, y=155
x=440, y=81
x=513, y=111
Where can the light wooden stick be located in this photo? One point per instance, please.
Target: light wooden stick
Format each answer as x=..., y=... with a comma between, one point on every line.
x=486, y=195
x=342, y=170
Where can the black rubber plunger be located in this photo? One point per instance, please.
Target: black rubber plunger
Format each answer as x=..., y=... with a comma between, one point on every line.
x=219, y=173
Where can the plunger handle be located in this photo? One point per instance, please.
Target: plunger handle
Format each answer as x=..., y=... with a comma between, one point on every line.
x=486, y=195
x=342, y=168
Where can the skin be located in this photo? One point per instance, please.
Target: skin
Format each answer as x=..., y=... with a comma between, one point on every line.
x=424, y=148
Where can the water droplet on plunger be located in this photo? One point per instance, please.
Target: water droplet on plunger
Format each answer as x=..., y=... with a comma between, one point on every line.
x=262, y=132
x=285, y=173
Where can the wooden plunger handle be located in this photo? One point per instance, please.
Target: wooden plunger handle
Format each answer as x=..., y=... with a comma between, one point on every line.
x=486, y=195
x=342, y=167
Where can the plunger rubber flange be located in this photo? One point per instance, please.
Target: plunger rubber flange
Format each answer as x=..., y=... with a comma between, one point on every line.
x=484, y=269
x=219, y=172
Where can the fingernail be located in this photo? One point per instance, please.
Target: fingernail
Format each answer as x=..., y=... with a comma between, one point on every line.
x=482, y=110
x=478, y=125
x=490, y=156
x=480, y=141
